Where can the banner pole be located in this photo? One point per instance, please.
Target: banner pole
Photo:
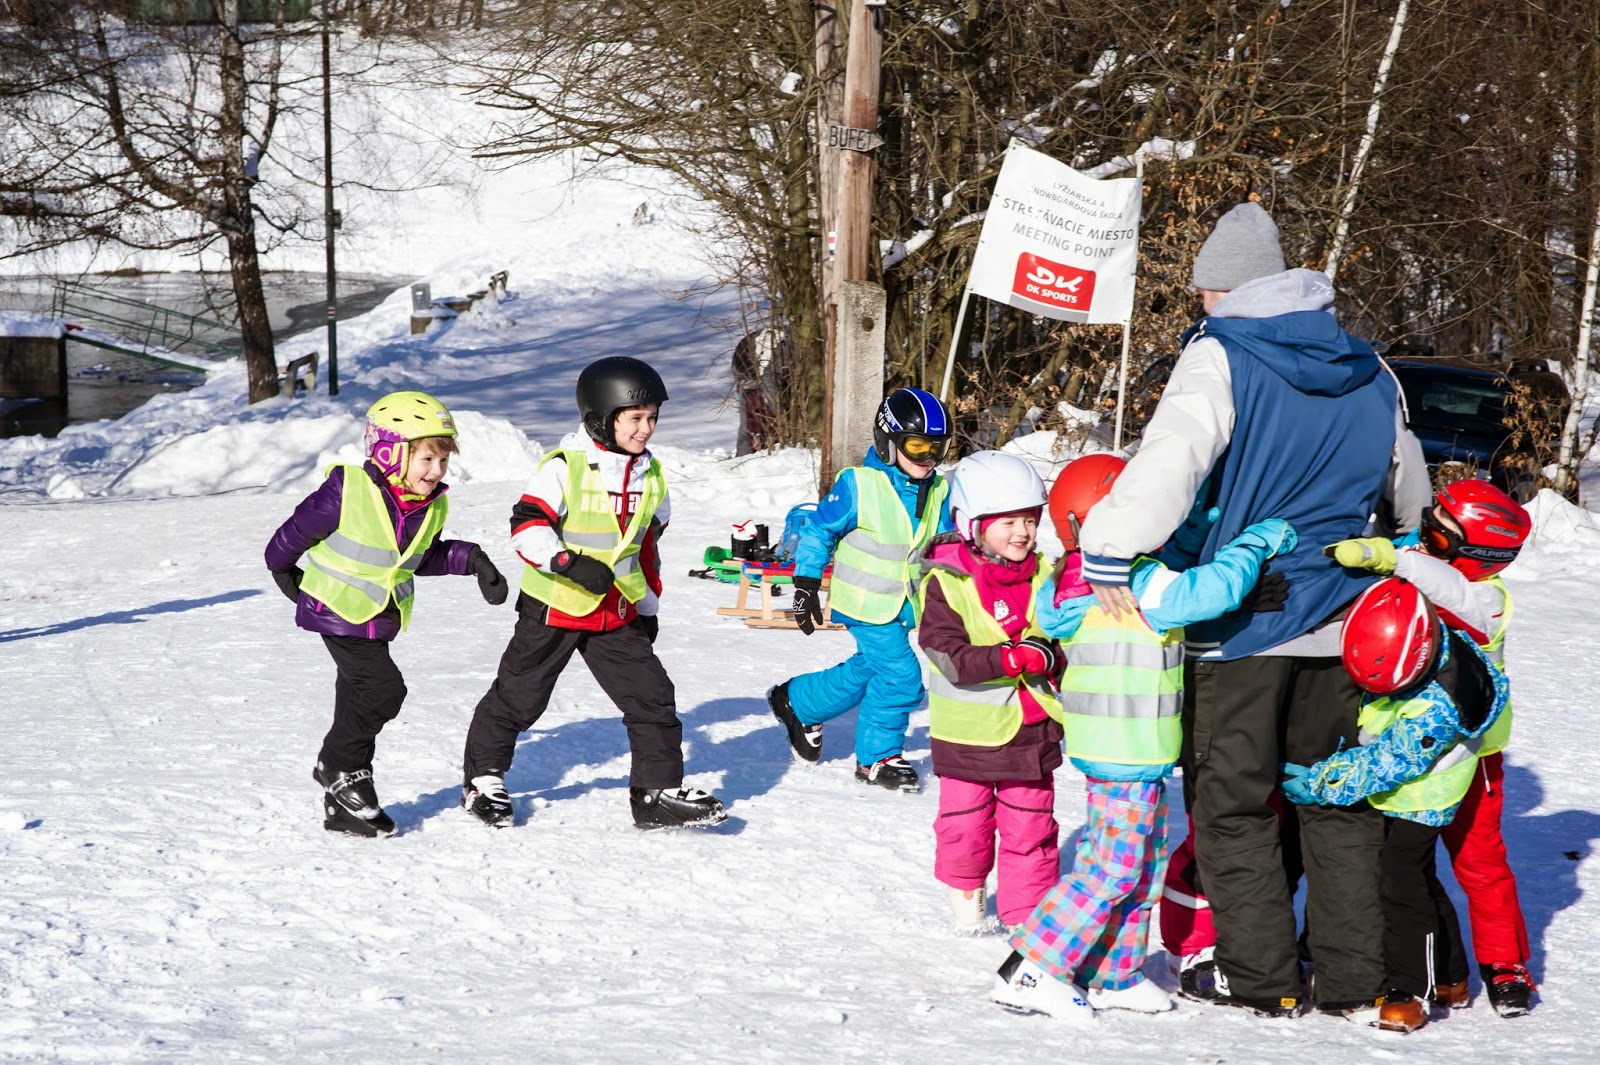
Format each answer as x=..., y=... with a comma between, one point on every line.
x=1127, y=333
x=1122, y=383
x=955, y=339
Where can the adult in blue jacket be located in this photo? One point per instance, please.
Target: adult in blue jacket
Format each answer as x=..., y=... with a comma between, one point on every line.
x=1280, y=413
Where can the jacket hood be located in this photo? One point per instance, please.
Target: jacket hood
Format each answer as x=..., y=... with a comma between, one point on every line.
x=1285, y=322
x=948, y=551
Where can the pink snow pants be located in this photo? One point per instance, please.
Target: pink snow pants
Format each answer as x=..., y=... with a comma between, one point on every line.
x=1021, y=814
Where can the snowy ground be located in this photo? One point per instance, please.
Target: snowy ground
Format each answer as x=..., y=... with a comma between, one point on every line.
x=170, y=894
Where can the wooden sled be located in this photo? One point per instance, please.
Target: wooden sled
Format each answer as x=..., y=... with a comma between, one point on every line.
x=767, y=615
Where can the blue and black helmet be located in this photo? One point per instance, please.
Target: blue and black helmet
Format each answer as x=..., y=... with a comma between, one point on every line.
x=913, y=422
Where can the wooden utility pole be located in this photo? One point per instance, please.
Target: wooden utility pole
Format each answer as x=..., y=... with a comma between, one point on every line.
x=854, y=366
x=830, y=109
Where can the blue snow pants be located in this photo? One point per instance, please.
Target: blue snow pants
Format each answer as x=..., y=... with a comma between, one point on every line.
x=883, y=677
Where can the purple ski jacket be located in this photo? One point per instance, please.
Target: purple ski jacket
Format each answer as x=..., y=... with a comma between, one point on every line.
x=315, y=519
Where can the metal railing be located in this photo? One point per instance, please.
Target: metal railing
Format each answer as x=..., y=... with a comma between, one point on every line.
x=147, y=326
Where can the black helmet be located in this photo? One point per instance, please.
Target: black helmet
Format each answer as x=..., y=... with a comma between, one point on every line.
x=911, y=412
x=611, y=384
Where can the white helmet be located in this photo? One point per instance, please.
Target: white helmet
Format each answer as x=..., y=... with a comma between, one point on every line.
x=991, y=482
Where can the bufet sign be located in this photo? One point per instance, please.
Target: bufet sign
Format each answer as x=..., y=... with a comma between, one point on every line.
x=1059, y=243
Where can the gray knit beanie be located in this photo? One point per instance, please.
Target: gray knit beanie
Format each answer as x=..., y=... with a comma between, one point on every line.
x=1243, y=247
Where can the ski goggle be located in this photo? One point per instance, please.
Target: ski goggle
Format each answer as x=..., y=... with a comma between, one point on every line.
x=1446, y=543
x=919, y=448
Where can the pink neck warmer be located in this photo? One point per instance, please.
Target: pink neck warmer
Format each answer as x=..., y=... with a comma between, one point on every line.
x=1004, y=588
x=1071, y=584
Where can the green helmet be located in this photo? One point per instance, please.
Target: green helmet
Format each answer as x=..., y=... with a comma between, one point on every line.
x=401, y=417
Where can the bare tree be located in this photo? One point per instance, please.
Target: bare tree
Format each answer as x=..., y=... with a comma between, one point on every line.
x=148, y=136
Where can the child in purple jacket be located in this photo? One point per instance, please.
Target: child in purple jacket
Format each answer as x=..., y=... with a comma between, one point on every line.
x=365, y=534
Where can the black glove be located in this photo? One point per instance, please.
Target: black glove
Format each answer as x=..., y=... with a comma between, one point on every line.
x=808, y=603
x=1268, y=596
x=288, y=581
x=491, y=582
x=650, y=624
x=590, y=574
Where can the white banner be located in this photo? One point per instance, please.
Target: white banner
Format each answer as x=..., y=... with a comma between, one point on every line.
x=1059, y=243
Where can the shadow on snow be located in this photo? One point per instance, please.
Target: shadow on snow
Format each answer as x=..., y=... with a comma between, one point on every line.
x=127, y=617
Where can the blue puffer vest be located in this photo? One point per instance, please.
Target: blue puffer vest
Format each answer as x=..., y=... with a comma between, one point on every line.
x=1313, y=436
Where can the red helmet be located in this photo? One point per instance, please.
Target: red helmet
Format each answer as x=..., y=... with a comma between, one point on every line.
x=1493, y=528
x=1083, y=483
x=1389, y=637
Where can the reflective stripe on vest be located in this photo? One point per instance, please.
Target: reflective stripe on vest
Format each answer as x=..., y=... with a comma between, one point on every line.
x=1122, y=692
x=874, y=565
x=1442, y=786
x=590, y=528
x=359, y=568
x=988, y=714
x=1499, y=733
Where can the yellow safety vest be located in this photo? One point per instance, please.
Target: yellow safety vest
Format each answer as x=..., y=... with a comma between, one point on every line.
x=1442, y=786
x=875, y=566
x=1499, y=733
x=1122, y=691
x=590, y=528
x=987, y=714
x=358, y=569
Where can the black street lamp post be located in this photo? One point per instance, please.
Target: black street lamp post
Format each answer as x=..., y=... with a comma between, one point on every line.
x=331, y=216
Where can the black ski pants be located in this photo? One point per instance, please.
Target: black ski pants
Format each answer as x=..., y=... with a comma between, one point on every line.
x=1421, y=933
x=623, y=664
x=1242, y=720
x=366, y=696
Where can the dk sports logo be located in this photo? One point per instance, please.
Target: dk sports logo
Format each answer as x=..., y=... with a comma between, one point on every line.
x=1056, y=284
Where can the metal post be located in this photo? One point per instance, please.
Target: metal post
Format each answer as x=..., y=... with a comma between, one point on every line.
x=330, y=216
x=1127, y=337
x=955, y=339
x=1122, y=383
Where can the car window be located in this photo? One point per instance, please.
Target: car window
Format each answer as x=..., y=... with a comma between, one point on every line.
x=1438, y=401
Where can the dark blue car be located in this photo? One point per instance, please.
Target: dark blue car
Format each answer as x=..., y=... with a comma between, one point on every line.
x=1460, y=414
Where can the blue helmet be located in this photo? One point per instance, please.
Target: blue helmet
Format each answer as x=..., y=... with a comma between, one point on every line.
x=914, y=415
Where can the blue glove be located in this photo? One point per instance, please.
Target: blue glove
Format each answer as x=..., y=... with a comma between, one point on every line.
x=1297, y=785
x=1274, y=536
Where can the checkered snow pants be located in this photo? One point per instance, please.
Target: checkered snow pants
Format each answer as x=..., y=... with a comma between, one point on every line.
x=1093, y=925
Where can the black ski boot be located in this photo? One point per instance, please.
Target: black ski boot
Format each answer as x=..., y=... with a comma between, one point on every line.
x=1510, y=987
x=1197, y=976
x=894, y=773
x=805, y=739
x=350, y=803
x=485, y=798
x=675, y=807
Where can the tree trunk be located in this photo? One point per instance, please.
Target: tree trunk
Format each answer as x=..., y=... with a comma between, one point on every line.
x=238, y=215
x=1353, y=190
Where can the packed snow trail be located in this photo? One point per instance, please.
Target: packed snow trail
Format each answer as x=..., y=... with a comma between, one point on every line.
x=171, y=895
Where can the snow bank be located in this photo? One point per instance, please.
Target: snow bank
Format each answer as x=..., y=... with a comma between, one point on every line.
x=1565, y=541
x=15, y=324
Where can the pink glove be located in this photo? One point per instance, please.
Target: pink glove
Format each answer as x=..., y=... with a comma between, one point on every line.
x=1031, y=655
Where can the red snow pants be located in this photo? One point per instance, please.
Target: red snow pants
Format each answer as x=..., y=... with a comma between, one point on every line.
x=1478, y=854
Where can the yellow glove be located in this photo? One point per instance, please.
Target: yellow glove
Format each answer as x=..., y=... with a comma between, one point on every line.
x=1369, y=553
